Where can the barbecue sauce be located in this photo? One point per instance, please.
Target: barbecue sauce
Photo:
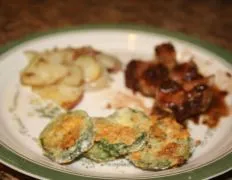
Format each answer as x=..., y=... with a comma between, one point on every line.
x=217, y=108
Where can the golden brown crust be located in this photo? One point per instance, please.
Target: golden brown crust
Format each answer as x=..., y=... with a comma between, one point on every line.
x=114, y=133
x=169, y=150
x=65, y=133
x=168, y=145
x=72, y=104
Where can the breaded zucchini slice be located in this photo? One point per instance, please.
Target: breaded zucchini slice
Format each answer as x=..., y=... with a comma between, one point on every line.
x=119, y=134
x=67, y=136
x=169, y=145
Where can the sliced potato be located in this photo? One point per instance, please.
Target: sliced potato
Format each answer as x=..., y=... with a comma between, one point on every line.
x=102, y=82
x=40, y=72
x=68, y=55
x=85, y=50
x=91, y=68
x=60, y=56
x=74, y=77
x=66, y=96
x=57, y=74
x=31, y=55
x=111, y=63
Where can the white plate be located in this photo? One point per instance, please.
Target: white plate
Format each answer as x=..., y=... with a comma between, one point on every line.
x=21, y=123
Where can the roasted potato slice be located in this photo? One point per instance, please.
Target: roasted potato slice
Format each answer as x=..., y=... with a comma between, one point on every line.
x=40, y=72
x=90, y=67
x=74, y=76
x=111, y=63
x=100, y=83
x=31, y=55
x=61, y=56
x=62, y=94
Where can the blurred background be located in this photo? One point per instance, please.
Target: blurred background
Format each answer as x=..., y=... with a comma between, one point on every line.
x=209, y=20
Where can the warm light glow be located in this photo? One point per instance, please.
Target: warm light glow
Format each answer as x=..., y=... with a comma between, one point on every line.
x=131, y=41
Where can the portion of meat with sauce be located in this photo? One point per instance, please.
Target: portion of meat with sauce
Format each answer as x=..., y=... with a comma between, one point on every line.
x=184, y=104
x=145, y=77
x=178, y=87
x=166, y=55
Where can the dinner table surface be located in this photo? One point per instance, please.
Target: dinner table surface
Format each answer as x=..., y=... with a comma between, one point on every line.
x=208, y=20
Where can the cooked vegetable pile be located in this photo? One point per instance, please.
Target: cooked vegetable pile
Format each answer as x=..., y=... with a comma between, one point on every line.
x=62, y=75
x=156, y=142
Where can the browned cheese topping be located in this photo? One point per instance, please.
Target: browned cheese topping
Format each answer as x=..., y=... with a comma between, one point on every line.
x=114, y=133
x=65, y=133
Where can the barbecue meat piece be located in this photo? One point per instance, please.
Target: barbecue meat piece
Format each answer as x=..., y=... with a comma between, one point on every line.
x=165, y=54
x=151, y=79
x=145, y=77
x=199, y=98
x=178, y=87
x=188, y=76
x=184, y=104
x=133, y=72
x=188, y=94
x=198, y=101
x=170, y=93
x=187, y=71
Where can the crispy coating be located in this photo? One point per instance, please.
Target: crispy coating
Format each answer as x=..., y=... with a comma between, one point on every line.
x=114, y=132
x=67, y=136
x=168, y=144
x=119, y=134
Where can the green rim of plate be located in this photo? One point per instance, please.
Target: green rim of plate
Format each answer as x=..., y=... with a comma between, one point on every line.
x=12, y=159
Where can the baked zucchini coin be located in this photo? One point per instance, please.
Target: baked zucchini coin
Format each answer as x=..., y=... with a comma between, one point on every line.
x=168, y=145
x=67, y=136
x=119, y=134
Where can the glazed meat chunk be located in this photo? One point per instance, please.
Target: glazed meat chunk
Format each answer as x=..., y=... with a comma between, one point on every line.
x=145, y=77
x=165, y=54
